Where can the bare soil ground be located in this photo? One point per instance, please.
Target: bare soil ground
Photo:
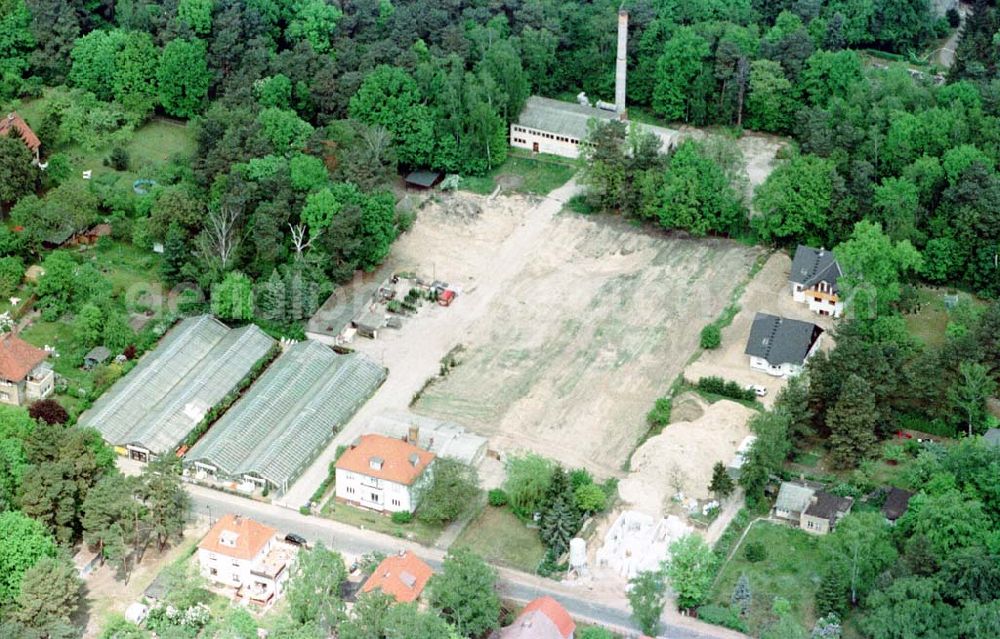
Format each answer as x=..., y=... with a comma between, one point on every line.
x=570, y=355
x=105, y=593
x=767, y=292
x=689, y=448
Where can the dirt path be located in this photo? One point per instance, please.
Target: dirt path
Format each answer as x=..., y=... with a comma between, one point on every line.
x=482, y=262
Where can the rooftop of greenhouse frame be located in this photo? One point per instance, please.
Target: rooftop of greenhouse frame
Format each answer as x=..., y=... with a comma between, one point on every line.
x=195, y=365
x=290, y=413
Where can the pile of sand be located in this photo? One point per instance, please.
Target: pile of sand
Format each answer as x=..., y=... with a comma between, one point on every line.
x=691, y=448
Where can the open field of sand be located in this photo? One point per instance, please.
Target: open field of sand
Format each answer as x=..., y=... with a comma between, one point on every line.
x=571, y=354
x=688, y=449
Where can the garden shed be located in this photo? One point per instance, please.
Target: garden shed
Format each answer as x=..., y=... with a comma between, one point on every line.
x=153, y=408
x=287, y=417
x=96, y=356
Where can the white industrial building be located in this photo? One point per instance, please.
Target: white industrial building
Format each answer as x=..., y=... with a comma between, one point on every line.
x=561, y=128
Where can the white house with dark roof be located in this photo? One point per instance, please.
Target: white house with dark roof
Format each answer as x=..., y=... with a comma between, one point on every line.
x=780, y=346
x=813, y=280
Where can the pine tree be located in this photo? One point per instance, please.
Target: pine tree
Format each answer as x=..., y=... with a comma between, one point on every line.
x=852, y=423
x=271, y=299
x=175, y=254
x=832, y=594
x=794, y=400
x=741, y=594
x=722, y=483
x=560, y=518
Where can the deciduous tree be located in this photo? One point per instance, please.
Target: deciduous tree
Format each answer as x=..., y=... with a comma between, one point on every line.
x=690, y=568
x=183, y=77
x=23, y=543
x=454, y=488
x=647, y=595
x=464, y=592
x=860, y=548
x=314, y=591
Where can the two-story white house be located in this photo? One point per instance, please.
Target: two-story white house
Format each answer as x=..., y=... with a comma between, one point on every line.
x=247, y=557
x=383, y=473
x=813, y=280
x=25, y=376
x=780, y=346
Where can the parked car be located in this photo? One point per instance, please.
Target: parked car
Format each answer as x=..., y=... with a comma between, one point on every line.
x=758, y=390
x=295, y=539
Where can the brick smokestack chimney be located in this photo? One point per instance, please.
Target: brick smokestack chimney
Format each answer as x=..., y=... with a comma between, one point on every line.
x=620, y=63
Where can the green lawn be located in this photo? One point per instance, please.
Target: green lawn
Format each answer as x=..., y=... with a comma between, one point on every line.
x=792, y=570
x=149, y=148
x=360, y=518
x=500, y=537
x=538, y=175
x=929, y=324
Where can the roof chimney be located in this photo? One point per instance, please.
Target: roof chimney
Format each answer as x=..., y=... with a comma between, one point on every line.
x=413, y=436
x=621, y=62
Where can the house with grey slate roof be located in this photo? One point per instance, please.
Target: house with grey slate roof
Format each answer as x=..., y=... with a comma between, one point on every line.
x=780, y=346
x=813, y=280
x=806, y=505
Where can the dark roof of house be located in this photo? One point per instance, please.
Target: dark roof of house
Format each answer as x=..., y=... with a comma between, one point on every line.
x=896, y=502
x=811, y=266
x=780, y=340
x=827, y=506
x=425, y=179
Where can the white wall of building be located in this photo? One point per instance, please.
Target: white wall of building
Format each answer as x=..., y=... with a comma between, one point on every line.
x=817, y=304
x=374, y=493
x=561, y=145
x=226, y=570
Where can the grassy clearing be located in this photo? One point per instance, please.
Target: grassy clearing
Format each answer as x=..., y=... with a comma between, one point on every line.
x=415, y=530
x=930, y=323
x=538, y=175
x=792, y=570
x=500, y=537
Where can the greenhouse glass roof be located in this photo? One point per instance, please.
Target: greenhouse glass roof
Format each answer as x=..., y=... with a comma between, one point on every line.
x=289, y=414
x=169, y=391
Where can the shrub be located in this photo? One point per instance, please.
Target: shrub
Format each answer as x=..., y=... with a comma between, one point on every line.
x=659, y=415
x=711, y=337
x=49, y=411
x=119, y=159
x=497, y=497
x=580, y=477
x=402, y=517
x=590, y=498
x=754, y=552
x=718, y=386
x=721, y=616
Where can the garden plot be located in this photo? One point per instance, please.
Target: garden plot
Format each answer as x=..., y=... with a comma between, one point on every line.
x=595, y=323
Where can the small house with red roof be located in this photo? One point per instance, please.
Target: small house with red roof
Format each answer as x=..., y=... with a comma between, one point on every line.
x=401, y=576
x=245, y=555
x=542, y=618
x=383, y=473
x=14, y=122
x=25, y=376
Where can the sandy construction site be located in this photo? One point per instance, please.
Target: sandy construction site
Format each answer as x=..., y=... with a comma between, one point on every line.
x=593, y=320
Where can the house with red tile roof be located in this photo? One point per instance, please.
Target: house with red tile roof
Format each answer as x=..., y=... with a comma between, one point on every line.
x=25, y=376
x=542, y=618
x=14, y=122
x=383, y=474
x=245, y=556
x=402, y=576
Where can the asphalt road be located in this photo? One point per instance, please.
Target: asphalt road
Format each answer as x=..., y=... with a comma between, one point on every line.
x=514, y=585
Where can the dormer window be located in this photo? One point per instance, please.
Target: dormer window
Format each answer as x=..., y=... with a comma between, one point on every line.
x=376, y=463
x=228, y=538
